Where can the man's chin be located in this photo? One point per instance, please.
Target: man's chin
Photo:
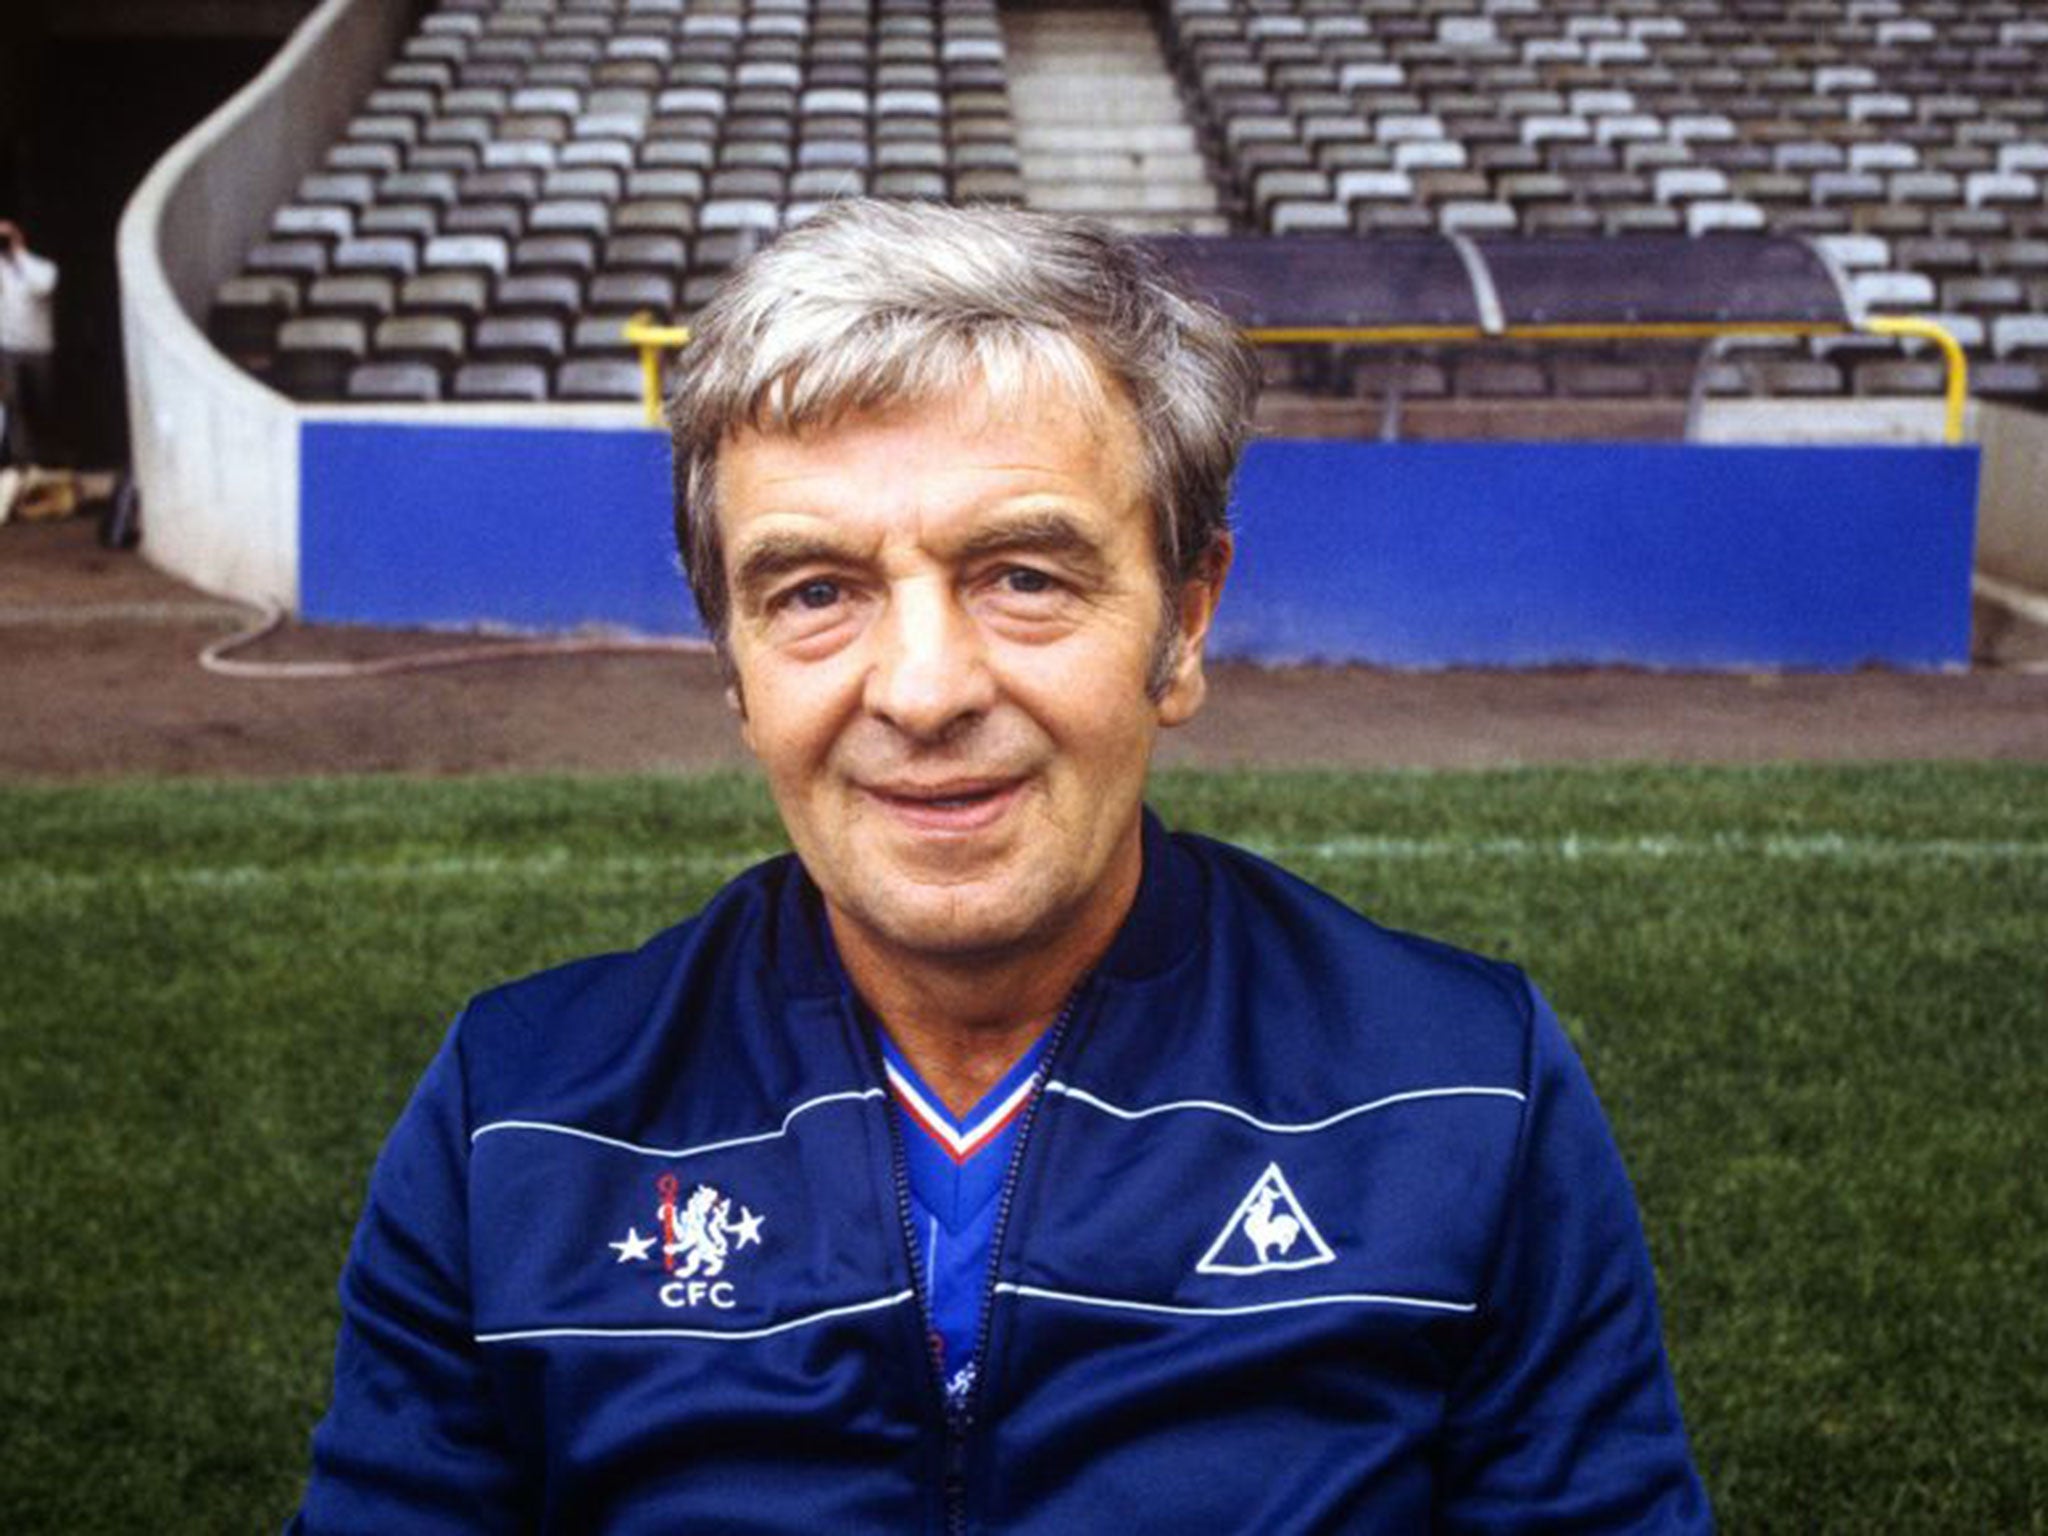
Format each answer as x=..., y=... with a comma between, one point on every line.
x=948, y=924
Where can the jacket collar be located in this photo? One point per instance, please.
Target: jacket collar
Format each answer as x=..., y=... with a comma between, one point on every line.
x=1163, y=924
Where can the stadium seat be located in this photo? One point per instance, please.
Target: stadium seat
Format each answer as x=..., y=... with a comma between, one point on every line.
x=393, y=381
x=246, y=313
x=515, y=381
x=316, y=354
x=570, y=156
x=586, y=378
x=436, y=340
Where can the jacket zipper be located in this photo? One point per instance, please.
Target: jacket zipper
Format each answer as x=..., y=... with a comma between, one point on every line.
x=959, y=1420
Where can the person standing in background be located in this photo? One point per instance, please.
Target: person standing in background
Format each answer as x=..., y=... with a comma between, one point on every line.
x=28, y=345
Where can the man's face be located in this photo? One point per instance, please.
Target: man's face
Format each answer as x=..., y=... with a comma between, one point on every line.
x=943, y=619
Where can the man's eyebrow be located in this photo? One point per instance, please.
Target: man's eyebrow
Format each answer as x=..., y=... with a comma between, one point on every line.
x=1046, y=532
x=775, y=555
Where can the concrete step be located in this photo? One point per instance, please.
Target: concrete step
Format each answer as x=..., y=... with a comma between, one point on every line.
x=1080, y=138
x=1090, y=65
x=1057, y=93
x=1113, y=161
x=1058, y=29
x=1166, y=223
x=1100, y=125
x=1121, y=196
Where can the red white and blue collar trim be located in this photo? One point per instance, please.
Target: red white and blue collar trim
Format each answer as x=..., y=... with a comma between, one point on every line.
x=961, y=1139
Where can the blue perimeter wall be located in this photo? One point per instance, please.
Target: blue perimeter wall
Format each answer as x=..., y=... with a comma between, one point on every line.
x=1412, y=555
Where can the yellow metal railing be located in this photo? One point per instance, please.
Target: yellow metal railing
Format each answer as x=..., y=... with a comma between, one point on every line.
x=650, y=337
x=1917, y=328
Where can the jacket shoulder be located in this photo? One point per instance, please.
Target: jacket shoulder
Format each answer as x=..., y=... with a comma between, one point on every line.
x=597, y=1019
x=1417, y=1007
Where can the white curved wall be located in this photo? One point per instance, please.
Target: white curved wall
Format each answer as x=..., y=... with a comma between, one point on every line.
x=216, y=454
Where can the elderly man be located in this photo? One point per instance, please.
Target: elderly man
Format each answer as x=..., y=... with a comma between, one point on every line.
x=1000, y=1161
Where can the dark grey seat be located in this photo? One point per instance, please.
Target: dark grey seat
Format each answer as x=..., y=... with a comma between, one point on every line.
x=315, y=355
x=575, y=255
x=521, y=381
x=302, y=259
x=363, y=296
x=393, y=381
x=664, y=253
x=635, y=291
x=246, y=313
x=458, y=295
x=1883, y=377
x=557, y=295
x=437, y=340
x=594, y=335
x=592, y=378
x=520, y=338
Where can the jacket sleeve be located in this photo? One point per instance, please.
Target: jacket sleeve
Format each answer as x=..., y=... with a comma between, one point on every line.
x=413, y=1439
x=1566, y=1418
x=38, y=274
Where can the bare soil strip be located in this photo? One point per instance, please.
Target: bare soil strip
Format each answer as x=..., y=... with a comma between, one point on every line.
x=99, y=678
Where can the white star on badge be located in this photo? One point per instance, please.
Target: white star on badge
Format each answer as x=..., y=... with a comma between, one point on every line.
x=633, y=1247
x=747, y=1229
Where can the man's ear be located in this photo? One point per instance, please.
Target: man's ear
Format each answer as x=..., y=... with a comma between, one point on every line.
x=1195, y=608
x=736, y=701
x=735, y=694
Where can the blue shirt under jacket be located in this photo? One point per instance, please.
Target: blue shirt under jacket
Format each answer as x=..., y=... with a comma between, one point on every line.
x=1311, y=1226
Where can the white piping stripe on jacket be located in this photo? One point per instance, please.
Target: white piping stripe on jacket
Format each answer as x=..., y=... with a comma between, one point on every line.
x=740, y=1335
x=1281, y=1128
x=1341, y=1299
x=550, y=1128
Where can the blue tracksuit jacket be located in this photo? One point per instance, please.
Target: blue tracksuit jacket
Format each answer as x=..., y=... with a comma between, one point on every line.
x=1313, y=1227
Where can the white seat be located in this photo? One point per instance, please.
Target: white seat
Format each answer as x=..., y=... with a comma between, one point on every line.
x=1703, y=127
x=1883, y=155
x=1879, y=106
x=1473, y=216
x=1891, y=291
x=1429, y=155
x=1395, y=127
x=1855, y=253
x=2000, y=187
x=1373, y=186
x=1684, y=183
x=2025, y=156
x=1627, y=127
x=1555, y=127
x=2019, y=333
x=1708, y=216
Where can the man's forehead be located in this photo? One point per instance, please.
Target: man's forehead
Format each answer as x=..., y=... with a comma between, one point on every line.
x=1057, y=388
x=1061, y=440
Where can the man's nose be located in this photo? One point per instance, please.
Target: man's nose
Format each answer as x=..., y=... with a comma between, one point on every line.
x=930, y=671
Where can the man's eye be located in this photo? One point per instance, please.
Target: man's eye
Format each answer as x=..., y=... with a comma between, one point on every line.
x=1024, y=580
x=815, y=594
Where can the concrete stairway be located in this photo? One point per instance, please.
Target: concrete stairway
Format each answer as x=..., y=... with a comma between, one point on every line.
x=1100, y=126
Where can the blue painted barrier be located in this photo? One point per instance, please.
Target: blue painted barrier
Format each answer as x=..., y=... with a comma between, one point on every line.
x=1410, y=555
x=513, y=527
x=1419, y=555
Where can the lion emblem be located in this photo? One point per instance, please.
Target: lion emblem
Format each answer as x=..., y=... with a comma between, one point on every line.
x=700, y=1233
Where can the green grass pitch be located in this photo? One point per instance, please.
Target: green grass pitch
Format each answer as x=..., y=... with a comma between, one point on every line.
x=1815, y=1002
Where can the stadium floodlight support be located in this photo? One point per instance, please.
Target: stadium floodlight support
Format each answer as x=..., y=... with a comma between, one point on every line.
x=652, y=338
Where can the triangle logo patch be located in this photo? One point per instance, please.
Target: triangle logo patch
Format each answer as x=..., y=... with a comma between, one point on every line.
x=1268, y=1231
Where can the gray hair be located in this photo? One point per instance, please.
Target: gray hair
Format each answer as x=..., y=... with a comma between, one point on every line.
x=870, y=306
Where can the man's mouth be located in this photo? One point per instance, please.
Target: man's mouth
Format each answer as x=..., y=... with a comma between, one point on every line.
x=960, y=806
